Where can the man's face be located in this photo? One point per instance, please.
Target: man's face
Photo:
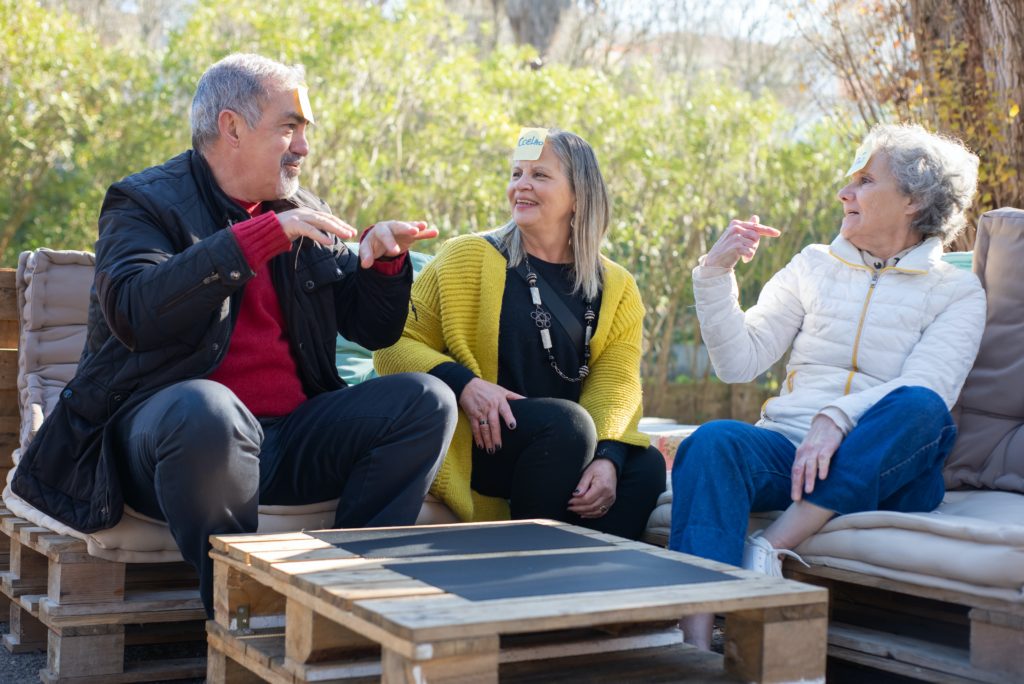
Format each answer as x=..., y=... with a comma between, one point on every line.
x=274, y=149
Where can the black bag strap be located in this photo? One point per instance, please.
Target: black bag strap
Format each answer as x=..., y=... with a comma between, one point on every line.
x=552, y=300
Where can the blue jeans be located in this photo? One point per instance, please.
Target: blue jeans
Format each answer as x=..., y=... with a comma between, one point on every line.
x=892, y=460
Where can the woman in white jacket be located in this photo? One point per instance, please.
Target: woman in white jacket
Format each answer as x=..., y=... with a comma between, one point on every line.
x=883, y=334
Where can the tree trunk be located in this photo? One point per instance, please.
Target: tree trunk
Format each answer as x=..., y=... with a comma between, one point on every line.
x=535, y=22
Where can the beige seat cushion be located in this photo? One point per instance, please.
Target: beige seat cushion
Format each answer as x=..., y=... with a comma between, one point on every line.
x=53, y=297
x=666, y=436
x=659, y=525
x=973, y=543
x=138, y=538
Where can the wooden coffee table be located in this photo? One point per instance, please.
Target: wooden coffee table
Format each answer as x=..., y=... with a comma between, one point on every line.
x=460, y=602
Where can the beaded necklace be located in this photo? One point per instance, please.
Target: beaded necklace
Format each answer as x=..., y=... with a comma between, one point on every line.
x=543, y=320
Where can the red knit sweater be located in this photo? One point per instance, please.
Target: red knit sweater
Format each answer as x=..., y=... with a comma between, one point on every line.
x=258, y=366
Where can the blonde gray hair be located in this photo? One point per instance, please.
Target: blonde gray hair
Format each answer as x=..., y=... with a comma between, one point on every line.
x=590, y=223
x=937, y=172
x=242, y=83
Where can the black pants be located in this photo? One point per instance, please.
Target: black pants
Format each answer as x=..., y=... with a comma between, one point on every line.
x=194, y=456
x=541, y=461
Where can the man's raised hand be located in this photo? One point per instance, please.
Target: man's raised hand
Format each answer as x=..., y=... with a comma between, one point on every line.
x=392, y=238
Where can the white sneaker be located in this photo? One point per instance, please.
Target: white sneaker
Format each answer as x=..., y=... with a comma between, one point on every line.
x=760, y=556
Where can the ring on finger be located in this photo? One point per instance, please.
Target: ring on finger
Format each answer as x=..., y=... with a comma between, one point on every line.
x=603, y=509
x=482, y=422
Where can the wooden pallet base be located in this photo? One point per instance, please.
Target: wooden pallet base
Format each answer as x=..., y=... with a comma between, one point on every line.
x=85, y=611
x=262, y=652
x=933, y=635
x=676, y=663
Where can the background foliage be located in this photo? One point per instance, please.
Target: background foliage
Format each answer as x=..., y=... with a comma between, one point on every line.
x=417, y=105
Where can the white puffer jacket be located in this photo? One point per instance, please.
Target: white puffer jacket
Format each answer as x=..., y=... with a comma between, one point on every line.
x=857, y=334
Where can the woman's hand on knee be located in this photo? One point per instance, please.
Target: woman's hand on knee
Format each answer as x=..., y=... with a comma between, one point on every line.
x=595, y=493
x=814, y=455
x=484, y=404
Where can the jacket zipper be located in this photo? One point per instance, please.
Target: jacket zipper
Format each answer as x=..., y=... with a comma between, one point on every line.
x=860, y=329
x=212, y=278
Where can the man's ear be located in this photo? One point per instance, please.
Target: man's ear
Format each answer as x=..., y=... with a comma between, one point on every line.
x=229, y=124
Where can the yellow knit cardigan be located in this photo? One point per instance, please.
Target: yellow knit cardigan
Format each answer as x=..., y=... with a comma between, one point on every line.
x=457, y=305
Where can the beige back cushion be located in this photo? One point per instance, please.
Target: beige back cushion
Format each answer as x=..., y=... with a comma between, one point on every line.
x=53, y=301
x=989, y=452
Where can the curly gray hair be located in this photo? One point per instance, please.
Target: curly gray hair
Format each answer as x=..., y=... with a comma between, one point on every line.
x=242, y=83
x=937, y=172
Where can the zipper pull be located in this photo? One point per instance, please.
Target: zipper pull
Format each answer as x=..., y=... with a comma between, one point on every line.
x=212, y=278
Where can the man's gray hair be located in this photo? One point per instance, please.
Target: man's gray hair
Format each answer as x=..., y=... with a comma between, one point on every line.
x=593, y=213
x=937, y=172
x=242, y=83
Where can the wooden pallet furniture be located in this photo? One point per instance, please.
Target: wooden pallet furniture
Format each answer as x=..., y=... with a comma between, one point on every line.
x=930, y=634
x=305, y=607
x=86, y=612
x=89, y=614
x=8, y=391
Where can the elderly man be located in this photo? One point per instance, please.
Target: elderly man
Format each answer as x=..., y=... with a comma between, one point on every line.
x=208, y=385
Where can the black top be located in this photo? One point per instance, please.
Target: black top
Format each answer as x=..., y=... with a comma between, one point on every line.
x=523, y=365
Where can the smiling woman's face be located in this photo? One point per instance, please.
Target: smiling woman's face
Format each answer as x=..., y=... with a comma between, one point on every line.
x=876, y=213
x=539, y=194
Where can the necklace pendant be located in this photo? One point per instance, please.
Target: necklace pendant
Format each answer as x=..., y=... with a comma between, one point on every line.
x=545, y=338
x=586, y=338
x=535, y=296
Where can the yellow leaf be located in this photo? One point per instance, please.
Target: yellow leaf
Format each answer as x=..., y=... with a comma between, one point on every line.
x=1014, y=110
x=919, y=89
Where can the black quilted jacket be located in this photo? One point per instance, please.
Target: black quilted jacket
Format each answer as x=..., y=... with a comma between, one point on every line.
x=168, y=285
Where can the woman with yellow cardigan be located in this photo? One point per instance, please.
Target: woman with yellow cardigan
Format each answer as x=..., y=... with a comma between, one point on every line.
x=539, y=337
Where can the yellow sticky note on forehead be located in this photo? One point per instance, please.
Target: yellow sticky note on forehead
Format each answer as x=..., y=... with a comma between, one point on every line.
x=530, y=144
x=302, y=102
x=860, y=161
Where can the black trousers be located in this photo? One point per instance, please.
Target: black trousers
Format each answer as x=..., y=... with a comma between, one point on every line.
x=541, y=461
x=194, y=456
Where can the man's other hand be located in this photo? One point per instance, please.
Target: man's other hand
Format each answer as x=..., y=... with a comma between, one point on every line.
x=391, y=239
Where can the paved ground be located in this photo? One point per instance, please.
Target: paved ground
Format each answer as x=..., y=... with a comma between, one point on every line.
x=19, y=669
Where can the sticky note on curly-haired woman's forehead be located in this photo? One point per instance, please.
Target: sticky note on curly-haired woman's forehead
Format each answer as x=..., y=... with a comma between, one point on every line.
x=860, y=161
x=530, y=144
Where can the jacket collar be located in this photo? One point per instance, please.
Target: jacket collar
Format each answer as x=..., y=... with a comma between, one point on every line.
x=224, y=210
x=919, y=260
